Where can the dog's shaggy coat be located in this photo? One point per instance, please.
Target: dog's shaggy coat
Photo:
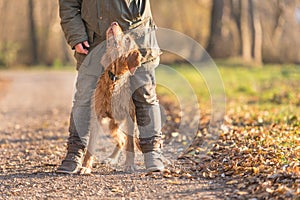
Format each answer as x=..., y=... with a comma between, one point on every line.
x=112, y=96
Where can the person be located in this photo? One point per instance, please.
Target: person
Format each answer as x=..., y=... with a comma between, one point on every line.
x=84, y=23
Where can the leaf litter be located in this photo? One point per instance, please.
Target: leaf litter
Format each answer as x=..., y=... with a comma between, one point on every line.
x=256, y=154
x=255, y=157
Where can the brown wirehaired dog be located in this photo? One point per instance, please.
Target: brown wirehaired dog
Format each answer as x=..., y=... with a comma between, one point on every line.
x=112, y=96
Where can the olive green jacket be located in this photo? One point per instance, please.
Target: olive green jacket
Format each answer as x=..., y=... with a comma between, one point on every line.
x=83, y=20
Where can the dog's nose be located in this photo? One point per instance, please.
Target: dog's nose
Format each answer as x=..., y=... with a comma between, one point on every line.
x=114, y=24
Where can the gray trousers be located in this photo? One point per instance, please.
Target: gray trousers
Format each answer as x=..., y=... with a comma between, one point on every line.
x=144, y=97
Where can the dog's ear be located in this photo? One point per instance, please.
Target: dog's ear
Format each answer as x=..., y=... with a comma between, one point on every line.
x=134, y=61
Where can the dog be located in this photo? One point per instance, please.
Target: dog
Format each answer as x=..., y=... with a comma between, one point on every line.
x=112, y=97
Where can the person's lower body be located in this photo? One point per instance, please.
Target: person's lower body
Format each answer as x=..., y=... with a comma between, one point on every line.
x=79, y=123
x=147, y=114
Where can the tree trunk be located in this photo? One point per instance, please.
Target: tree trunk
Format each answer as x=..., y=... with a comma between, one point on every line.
x=280, y=21
x=216, y=26
x=258, y=35
x=32, y=34
x=232, y=9
x=3, y=8
x=246, y=31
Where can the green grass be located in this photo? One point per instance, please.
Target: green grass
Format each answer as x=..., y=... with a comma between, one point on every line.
x=269, y=87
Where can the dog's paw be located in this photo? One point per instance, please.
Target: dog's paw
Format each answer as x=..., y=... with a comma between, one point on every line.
x=129, y=168
x=85, y=171
x=110, y=161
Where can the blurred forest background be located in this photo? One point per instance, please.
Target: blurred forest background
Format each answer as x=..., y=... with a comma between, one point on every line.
x=251, y=30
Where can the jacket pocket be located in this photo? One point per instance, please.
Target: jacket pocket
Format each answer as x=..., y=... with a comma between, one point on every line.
x=79, y=59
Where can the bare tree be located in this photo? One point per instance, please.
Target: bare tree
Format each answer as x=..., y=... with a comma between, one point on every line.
x=224, y=38
x=251, y=29
x=246, y=32
x=258, y=34
x=32, y=33
x=215, y=26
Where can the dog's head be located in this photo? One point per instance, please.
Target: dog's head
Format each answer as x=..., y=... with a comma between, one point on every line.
x=121, y=51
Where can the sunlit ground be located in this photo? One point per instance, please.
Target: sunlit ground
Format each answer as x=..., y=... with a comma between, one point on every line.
x=259, y=150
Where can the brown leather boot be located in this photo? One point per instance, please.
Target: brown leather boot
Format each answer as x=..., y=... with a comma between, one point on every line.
x=153, y=158
x=73, y=160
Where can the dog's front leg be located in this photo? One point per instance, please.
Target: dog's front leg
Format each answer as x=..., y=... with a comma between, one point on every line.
x=130, y=136
x=130, y=155
x=113, y=159
x=87, y=163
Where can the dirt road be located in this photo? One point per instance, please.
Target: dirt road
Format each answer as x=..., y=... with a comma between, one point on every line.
x=34, y=113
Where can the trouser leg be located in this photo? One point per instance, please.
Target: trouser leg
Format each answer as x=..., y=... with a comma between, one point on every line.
x=81, y=110
x=148, y=115
x=89, y=69
x=145, y=99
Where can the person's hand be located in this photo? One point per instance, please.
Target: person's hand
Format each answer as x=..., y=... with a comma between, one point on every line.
x=82, y=47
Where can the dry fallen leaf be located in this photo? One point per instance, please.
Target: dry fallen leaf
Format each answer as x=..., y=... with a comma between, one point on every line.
x=174, y=182
x=232, y=182
x=242, y=192
x=269, y=190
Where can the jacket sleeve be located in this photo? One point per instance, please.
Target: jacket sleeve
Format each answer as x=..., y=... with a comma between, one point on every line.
x=71, y=21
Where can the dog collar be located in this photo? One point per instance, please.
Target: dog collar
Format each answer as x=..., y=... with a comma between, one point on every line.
x=112, y=76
